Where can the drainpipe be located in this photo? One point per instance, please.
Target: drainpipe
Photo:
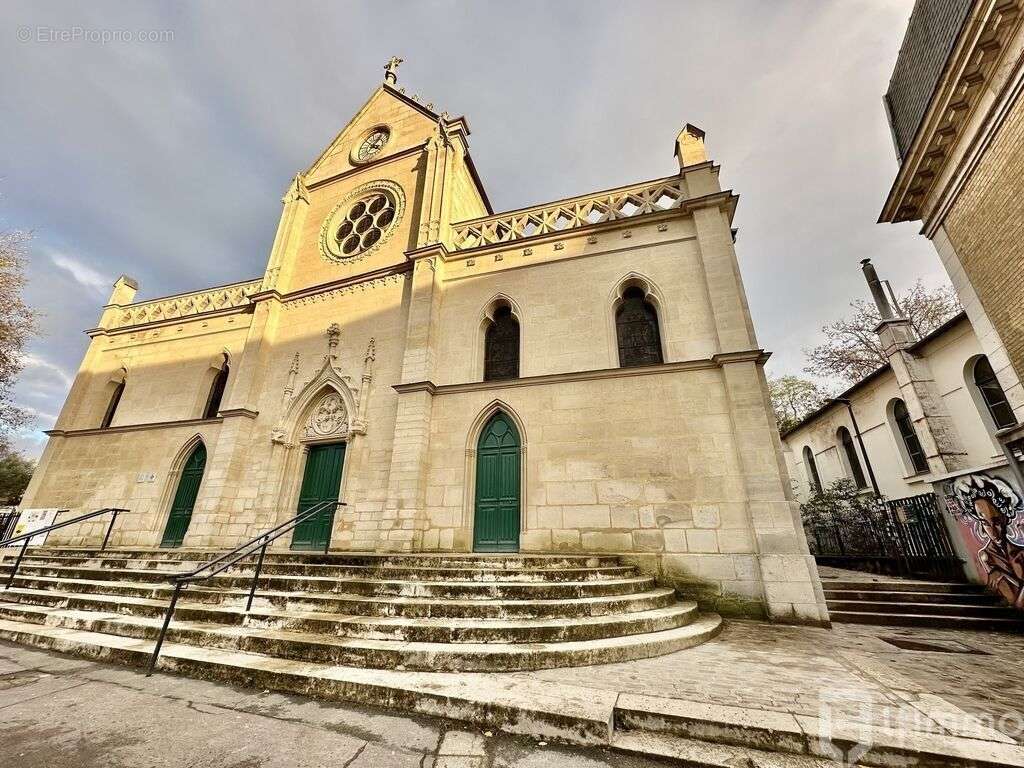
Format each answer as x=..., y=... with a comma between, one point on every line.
x=860, y=441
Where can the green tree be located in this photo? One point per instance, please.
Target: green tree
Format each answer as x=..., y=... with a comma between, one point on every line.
x=17, y=324
x=794, y=398
x=842, y=500
x=15, y=472
x=851, y=350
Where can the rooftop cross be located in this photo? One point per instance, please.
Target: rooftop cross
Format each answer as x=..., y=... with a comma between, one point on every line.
x=391, y=69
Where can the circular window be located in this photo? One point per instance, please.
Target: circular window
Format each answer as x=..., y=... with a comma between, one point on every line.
x=362, y=221
x=372, y=144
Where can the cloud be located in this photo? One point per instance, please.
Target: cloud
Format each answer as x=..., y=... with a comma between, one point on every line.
x=83, y=274
x=33, y=364
x=172, y=157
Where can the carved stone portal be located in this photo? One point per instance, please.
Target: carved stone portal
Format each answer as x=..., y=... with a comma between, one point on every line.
x=328, y=419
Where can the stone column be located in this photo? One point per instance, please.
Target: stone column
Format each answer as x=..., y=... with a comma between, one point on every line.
x=792, y=591
x=404, y=517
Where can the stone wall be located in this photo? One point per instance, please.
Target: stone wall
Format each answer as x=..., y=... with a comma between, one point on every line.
x=984, y=227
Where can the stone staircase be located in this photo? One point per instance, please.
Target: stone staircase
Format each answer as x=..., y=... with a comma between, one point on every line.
x=444, y=612
x=906, y=603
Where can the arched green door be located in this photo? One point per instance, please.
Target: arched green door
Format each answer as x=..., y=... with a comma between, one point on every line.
x=496, y=523
x=185, y=498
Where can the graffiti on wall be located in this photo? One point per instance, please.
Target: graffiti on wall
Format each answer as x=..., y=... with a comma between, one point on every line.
x=992, y=516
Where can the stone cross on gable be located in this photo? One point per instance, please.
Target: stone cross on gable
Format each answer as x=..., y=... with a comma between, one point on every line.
x=391, y=69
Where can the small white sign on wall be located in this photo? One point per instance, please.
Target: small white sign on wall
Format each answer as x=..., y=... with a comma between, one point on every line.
x=145, y=477
x=32, y=520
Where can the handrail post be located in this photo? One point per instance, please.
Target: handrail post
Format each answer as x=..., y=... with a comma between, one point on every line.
x=14, y=570
x=163, y=629
x=256, y=575
x=327, y=544
x=113, y=519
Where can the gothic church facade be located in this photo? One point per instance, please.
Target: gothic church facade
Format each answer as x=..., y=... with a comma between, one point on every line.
x=579, y=376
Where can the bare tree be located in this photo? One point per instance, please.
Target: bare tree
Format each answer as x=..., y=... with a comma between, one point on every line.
x=794, y=398
x=17, y=324
x=851, y=350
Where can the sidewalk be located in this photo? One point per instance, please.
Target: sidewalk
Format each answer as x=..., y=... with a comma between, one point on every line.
x=757, y=687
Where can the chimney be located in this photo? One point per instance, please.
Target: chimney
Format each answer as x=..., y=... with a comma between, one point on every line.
x=877, y=292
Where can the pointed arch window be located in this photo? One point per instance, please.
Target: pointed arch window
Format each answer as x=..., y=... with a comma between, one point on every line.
x=992, y=394
x=636, y=329
x=852, y=460
x=908, y=435
x=220, y=381
x=813, y=479
x=115, y=400
x=501, y=346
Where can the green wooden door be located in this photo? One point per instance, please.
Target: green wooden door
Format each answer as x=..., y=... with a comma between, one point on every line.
x=496, y=524
x=185, y=498
x=320, y=482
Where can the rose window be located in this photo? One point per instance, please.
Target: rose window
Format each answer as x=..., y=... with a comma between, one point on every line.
x=365, y=223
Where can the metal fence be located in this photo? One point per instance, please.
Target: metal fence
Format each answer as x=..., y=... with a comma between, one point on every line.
x=899, y=537
x=8, y=519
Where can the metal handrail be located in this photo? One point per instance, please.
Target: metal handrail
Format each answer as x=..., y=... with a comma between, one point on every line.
x=229, y=559
x=26, y=537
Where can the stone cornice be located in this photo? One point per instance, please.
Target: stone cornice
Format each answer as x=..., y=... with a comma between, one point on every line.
x=395, y=271
x=228, y=414
x=1012, y=90
x=966, y=76
x=361, y=169
x=758, y=356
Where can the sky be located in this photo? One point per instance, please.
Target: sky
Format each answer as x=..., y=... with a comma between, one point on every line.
x=157, y=139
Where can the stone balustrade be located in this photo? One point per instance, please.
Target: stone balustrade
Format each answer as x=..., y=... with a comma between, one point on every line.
x=576, y=212
x=187, y=304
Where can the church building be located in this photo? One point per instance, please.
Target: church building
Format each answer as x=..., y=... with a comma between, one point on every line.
x=580, y=376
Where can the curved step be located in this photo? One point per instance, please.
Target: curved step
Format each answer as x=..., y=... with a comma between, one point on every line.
x=382, y=571
x=385, y=654
x=395, y=629
x=147, y=599
x=497, y=560
x=365, y=585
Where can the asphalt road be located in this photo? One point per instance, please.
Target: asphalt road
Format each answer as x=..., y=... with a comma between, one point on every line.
x=62, y=712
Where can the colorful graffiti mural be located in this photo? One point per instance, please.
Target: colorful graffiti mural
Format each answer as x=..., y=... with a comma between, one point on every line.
x=991, y=514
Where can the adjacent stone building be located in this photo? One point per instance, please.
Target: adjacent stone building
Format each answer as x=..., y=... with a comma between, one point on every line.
x=958, y=125
x=579, y=376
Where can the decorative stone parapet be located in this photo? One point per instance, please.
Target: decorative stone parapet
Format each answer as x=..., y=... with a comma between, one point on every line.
x=595, y=208
x=186, y=304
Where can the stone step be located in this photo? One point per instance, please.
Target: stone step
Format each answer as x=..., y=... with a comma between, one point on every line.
x=496, y=560
x=385, y=654
x=88, y=595
x=855, y=744
x=383, y=571
x=693, y=753
x=897, y=619
x=694, y=733
x=900, y=585
x=983, y=610
x=359, y=585
x=955, y=598
x=424, y=630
